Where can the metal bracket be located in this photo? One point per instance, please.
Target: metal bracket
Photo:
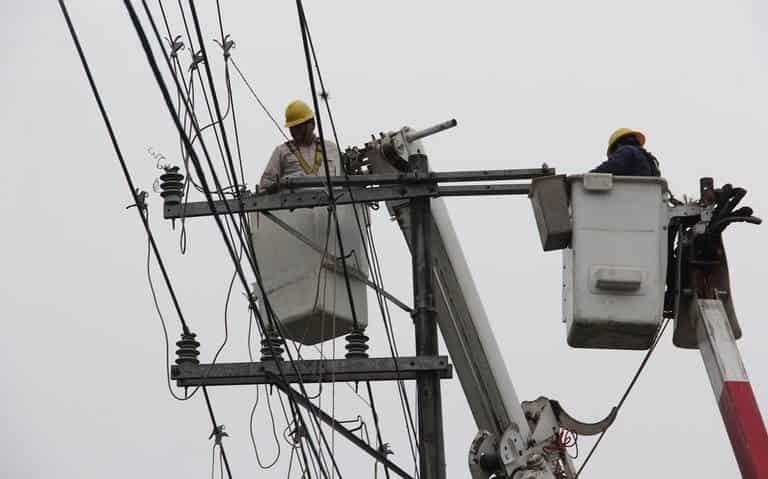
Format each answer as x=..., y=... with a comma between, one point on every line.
x=582, y=428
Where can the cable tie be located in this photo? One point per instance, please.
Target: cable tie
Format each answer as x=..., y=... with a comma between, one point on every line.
x=197, y=59
x=177, y=44
x=219, y=434
x=226, y=45
x=141, y=200
x=386, y=449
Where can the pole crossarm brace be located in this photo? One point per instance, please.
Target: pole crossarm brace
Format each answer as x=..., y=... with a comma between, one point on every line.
x=311, y=371
x=309, y=192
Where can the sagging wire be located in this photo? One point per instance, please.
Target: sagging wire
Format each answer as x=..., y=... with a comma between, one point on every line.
x=307, y=39
x=196, y=163
x=214, y=97
x=309, y=46
x=626, y=392
x=165, y=330
x=274, y=432
x=197, y=58
x=175, y=46
x=226, y=311
x=332, y=202
x=392, y=343
x=226, y=45
x=258, y=100
x=113, y=138
x=135, y=193
x=230, y=251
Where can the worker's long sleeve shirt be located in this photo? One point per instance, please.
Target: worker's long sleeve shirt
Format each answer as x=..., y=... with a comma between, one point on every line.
x=629, y=160
x=283, y=163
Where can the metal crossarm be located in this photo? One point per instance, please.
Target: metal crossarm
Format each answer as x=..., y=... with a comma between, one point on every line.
x=310, y=192
x=311, y=371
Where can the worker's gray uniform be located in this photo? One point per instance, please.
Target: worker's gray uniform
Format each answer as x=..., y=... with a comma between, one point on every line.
x=283, y=163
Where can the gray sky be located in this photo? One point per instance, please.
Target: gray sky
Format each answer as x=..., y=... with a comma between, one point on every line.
x=529, y=82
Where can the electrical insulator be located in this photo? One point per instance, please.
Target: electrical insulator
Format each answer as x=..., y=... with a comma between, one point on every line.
x=172, y=185
x=187, y=352
x=356, y=345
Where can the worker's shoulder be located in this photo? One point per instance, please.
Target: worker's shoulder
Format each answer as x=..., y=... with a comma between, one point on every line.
x=282, y=149
x=629, y=151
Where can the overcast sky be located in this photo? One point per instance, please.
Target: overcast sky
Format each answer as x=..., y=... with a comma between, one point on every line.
x=528, y=82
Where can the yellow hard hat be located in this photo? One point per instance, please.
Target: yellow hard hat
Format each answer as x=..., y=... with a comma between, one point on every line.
x=297, y=112
x=624, y=132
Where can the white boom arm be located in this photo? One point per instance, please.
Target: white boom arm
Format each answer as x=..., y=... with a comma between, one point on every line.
x=512, y=438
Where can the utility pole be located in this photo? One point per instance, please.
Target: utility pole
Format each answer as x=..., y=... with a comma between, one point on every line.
x=430, y=410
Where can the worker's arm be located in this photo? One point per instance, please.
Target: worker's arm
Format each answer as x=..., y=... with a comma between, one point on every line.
x=271, y=176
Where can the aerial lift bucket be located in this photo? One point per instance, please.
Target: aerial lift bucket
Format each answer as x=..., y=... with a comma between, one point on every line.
x=613, y=233
x=306, y=288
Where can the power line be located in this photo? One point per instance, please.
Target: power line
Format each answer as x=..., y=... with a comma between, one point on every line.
x=212, y=87
x=306, y=44
x=626, y=392
x=134, y=192
x=198, y=30
x=169, y=104
x=216, y=428
x=331, y=198
x=258, y=100
x=307, y=39
x=165, y=329
x=113, y=138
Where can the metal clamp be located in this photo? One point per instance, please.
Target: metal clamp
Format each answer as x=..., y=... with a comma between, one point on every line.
x=218, y=433
x=176, y=45
x=226, y=45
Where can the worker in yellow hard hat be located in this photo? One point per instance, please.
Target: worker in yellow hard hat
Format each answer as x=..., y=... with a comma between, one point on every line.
x=301, y=156
x=627, y=155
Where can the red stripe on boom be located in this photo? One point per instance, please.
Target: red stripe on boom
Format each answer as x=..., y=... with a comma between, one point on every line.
x=746, y=429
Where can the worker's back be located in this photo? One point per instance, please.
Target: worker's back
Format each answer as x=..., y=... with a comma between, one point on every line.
x=629, y=160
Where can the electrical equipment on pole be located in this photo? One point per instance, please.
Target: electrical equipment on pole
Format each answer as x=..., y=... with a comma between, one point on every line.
x=615, y=265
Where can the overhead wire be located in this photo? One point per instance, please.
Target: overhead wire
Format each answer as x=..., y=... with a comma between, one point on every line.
x=215, y=429
x=198, y=30
x=189, y=113
x=202, y=83
x=309, y=47
x=169, y=104
x=175, y=68
x=258, y=100
x=196, y=163
x=164, y=327
x=331, y=197
x=624, y=396
x=144, y=40
x=134, y=192
x=212, y=87
x=255, y=405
